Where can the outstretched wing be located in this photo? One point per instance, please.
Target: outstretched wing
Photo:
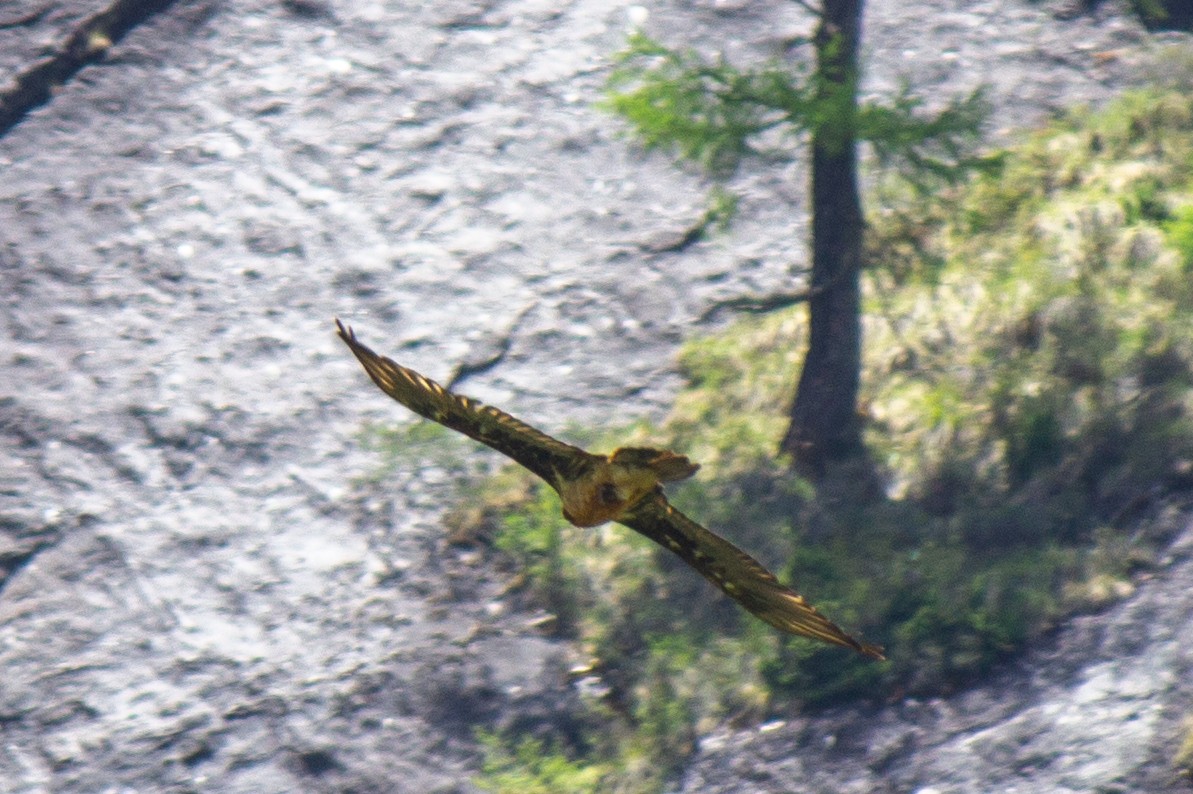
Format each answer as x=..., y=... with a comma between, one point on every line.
x=547, y=457
x=738, y=574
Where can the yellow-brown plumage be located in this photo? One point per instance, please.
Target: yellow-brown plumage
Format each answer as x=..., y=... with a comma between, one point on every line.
x=624, y=486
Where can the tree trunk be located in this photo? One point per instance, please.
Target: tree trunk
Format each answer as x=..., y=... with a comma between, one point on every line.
x=824, y=420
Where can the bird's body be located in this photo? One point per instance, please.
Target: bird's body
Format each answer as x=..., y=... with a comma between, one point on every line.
x=624, y=486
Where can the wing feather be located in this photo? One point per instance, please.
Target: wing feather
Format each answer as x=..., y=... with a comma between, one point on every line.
x=739, y=575
x=547, y=457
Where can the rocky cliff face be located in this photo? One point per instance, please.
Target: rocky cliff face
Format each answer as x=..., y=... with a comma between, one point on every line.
x=1100, y=708
x=201, y=588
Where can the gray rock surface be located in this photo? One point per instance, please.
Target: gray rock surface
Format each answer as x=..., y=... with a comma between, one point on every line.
x=1100, y=709
x=205, y=585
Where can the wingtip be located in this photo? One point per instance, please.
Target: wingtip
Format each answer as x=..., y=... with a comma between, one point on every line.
x=345, y=332
x=871, y=651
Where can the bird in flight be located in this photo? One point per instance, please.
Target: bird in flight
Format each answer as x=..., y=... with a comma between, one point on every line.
x=624, y=486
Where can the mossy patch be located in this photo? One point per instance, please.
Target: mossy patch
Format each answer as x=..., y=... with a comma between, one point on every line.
x=528, y=766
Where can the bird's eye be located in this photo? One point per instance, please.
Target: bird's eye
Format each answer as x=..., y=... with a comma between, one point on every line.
x=608, y=493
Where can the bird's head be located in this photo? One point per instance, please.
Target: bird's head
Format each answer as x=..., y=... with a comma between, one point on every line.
x=663, y=464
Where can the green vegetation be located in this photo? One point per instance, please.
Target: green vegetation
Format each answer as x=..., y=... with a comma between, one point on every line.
x=526, y=766
x=1183, y=760
x=1028, y=374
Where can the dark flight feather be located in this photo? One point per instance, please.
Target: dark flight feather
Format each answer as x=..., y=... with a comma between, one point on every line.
x=547, y=457
x=739, y=575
